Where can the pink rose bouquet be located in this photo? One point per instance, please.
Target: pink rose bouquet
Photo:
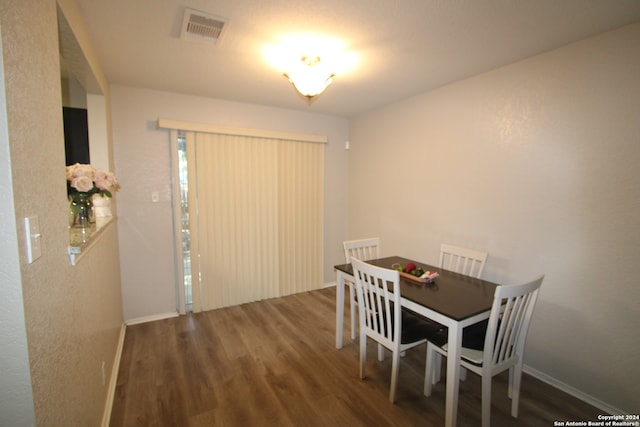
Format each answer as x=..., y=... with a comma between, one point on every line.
x=86, y=179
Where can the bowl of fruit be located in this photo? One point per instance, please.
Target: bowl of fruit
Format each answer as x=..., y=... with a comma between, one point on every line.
x=414, y=272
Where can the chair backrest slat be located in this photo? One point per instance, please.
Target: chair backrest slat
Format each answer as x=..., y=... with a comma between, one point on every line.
x=469, y=262
x=379, y=291
x=511, y=314
x=363, y=249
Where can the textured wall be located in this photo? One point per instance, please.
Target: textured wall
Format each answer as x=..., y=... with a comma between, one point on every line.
x=143, y=161
x=72, y=314
x=536, y=162
x=16, y=399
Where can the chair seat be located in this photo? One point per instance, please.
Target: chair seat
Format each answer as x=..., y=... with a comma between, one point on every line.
x=415, y=328
x=472, y=337
x=472, y=356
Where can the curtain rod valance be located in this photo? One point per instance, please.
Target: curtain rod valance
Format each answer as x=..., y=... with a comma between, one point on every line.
x=235, y=130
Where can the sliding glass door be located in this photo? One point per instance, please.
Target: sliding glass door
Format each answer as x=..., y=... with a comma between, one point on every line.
x=251, y=218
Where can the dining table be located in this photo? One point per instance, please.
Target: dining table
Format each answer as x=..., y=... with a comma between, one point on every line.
x=451, y=299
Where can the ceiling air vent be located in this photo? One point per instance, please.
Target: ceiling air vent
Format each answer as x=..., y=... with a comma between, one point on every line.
x=201, y=27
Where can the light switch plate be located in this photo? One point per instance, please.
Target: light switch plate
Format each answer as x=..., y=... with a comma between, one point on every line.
x=32, y=229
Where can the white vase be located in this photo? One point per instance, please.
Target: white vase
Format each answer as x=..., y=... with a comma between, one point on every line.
x=101, y=206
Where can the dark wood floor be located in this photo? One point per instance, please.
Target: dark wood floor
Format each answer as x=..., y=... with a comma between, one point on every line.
x=274, y=363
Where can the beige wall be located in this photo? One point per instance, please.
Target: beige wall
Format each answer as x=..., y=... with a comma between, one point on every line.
x=538, y=163
x=16, y=398
x=142, y=159
x=72, y=315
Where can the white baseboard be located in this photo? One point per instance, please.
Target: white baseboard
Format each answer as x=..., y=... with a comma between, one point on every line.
x=329, y=285
x=603, y=406
x=146, y=319
x=113, y=381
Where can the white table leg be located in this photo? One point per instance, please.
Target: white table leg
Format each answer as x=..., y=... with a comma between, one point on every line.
x=339, y=307
x=453, y=373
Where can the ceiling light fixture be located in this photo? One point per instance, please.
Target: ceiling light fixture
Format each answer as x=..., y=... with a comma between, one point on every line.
x=310, y=79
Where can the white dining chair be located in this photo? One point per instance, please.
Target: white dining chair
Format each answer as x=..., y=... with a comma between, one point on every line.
x=502, y=347
x=382, y=318
x=469, y=262
x=364, y=250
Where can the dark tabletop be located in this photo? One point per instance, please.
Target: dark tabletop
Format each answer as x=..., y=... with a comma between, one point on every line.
x=452, y=294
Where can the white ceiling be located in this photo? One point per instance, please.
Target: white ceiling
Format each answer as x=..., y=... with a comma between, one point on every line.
x=404, y=46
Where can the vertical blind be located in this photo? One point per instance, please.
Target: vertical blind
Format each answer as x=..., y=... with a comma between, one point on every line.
x=256, y=217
